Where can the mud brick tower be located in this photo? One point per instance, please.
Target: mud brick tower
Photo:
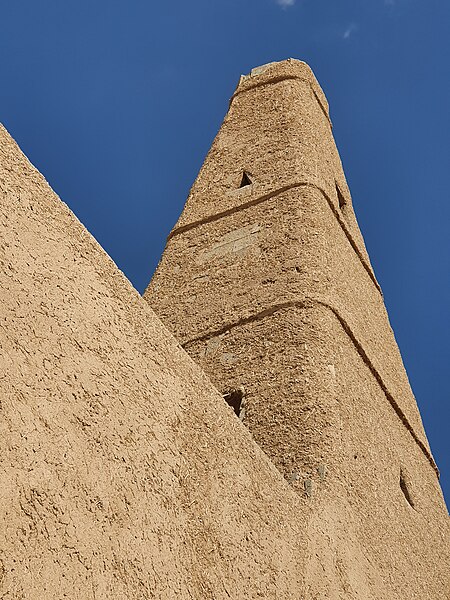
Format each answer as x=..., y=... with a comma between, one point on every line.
x=125, y=474
x=267, y=284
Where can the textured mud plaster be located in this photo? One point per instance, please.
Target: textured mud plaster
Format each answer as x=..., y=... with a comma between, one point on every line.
x=298, y=320
x=123, y=473
x=237, y=241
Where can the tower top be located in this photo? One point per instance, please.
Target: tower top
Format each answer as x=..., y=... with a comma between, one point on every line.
x=274, y=72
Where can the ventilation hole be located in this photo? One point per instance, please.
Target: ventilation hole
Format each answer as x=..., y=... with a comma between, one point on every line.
x=405, y=487
x=340, y=196
x=235, y=399
x=245, y=180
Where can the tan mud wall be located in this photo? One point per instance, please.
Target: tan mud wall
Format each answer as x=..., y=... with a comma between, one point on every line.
x=269, y=287
x=287, y=249
x=123, y=473
x=341, y=448
x=277, y=131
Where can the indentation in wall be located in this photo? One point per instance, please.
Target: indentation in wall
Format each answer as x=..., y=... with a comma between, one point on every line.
x=405, y=486
x=340, y=195
x=246, y=180
x=237, y=241
x=236, y=399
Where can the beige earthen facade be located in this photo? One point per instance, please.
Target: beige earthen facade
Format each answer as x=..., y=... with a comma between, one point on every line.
x=123, y=471
x=267, y=284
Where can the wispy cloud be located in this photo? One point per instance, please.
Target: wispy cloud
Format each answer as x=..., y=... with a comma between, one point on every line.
x=350, y=29
x=285, y=3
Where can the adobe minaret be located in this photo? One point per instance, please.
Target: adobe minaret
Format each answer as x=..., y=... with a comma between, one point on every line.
x=267, y=284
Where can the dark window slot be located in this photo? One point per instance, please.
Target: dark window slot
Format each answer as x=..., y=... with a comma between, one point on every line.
x=340, y=196
x=234, y=398
x=245, y=180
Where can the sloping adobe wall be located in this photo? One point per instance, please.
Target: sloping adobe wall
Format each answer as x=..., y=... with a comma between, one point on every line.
x=123, y=474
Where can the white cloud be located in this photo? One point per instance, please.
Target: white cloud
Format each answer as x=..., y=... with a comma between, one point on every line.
x=350, y=29
x=286, y=3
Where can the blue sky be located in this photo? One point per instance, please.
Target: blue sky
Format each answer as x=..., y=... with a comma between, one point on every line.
x=117, y=103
